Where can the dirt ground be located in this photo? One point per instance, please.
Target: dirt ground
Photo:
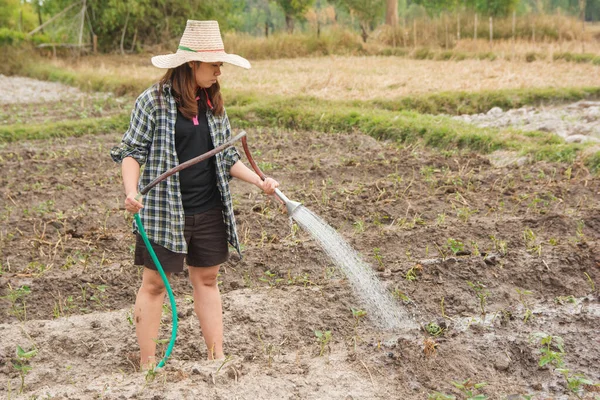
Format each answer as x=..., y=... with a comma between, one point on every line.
x=525, y=236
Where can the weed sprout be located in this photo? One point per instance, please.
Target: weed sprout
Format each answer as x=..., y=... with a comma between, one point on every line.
x=469, y=389
x=21, y=364
x=324, y=337
x=455, y=245
x=481, y=293
x=525, y=303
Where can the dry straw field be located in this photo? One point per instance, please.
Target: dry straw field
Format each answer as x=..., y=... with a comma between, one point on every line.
x=363, y=78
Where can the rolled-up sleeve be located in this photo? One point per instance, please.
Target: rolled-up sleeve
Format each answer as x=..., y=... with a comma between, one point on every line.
x=230, y=155
x=138, y=137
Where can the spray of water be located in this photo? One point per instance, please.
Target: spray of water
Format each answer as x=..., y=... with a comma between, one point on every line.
x=378, y=303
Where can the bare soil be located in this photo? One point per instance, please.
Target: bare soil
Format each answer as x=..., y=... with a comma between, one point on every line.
x=428, y=222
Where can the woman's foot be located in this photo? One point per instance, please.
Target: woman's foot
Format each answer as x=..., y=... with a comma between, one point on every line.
x=149, y=364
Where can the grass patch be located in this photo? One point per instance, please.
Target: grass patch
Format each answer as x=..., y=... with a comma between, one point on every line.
x=577, y=57
x=452, y=103
x=404, y=127
x=457, y=103
x=592, y=161
x=89, y=126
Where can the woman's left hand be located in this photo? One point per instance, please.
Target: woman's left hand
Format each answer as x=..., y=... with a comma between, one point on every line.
x=268, y=185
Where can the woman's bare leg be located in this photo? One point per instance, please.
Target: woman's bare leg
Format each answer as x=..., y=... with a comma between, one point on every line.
x=148, y=310
x=208, y=307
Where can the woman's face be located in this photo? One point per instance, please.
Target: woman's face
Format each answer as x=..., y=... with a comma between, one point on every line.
x=207, y=73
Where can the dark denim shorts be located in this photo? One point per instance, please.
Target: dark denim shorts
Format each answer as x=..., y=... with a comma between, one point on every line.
x=206, y=237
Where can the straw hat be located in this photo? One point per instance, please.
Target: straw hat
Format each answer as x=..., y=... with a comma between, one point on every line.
x=201, y=41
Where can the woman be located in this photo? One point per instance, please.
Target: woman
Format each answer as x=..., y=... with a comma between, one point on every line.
x=189, y=216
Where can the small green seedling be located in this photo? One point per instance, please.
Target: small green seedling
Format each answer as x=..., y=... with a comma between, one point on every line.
x=531, y=242
x=499, y=245
x=161, y=343
x=271, y=278
x=440, y=219
x=525, y=303
x=151, y=374
x=98, y=294
x=359, y=226
x=412, y=274
x=553, y=350
x=469, y=389
x=225, y=361
x=475, y=247
x=16, y=298
x=357, y=314
x=21, y=364
x=400, y=295
x=379, y=258
x=590, y=281
x=455, y=246
x=562, y=300
x=434, y=329
x=324, y=338
x=481, y=293
x=575, y=382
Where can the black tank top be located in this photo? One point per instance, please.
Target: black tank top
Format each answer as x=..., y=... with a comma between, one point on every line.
x=198, y=183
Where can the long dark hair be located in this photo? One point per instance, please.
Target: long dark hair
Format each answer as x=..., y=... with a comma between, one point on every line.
x=185, y=90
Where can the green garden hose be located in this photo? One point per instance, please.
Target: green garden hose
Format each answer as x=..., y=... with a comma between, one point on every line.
x=142, y=232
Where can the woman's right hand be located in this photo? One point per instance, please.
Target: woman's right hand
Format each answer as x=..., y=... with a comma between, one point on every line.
x=132, y=204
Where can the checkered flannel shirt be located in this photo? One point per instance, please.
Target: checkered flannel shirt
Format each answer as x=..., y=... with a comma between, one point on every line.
x=150, y=140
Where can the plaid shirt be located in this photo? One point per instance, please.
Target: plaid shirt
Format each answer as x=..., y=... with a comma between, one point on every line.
x=150, y=140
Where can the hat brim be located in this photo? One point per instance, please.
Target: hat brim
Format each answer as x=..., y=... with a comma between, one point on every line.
x=181, y=57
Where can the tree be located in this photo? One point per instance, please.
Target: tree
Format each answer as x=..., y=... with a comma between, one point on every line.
x=391, y=12
x=293, y=10
x=497, y=8
x=124, y=23
x=17, y=15
x=368, y=13
x=261, y=16
x=436, y=7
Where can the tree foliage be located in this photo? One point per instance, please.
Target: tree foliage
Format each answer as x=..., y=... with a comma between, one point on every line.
x=368, y=12
x=131, y=24
x=17, y=15
x=149, y=21
x=294, y=10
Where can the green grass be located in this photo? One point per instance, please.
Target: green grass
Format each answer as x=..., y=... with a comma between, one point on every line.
x=453, y=103
x=89, y=126
x=405, y=127
x=457, y=103
x=577, y=57
x=439, y=131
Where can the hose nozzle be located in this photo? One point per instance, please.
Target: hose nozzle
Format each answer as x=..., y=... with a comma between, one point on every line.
x=289, y=204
